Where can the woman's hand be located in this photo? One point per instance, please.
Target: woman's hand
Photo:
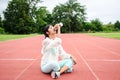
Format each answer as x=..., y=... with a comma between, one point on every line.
x=57, y=28
x=74, y=60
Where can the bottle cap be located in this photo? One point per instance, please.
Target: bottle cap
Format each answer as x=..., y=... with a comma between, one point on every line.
x=61, y=24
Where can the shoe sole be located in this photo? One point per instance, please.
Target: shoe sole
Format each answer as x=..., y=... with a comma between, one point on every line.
x=53, y=75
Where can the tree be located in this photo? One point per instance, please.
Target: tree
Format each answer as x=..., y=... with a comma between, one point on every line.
x=108, y=27
x=17, y=19
x=72, y=14
x=33, y=8
x=42, y=18
x=117, y=25
x=20, y=16
x=97, y=25
x=89, y=27
x=1, y=25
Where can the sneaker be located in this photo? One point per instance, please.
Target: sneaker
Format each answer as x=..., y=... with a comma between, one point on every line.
x=55, y=74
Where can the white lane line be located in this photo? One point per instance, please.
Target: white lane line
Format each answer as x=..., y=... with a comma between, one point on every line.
x=106, y=49
x=19, y=59
x=77, y=51
x=21, y=73
x=105, y=60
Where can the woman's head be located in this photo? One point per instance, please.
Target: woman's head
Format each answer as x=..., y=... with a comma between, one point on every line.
x=49, y=30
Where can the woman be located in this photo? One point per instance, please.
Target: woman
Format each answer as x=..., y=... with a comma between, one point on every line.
x=52, y=51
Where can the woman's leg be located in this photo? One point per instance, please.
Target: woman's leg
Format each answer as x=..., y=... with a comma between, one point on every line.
x=65, y=65
x=49, y=67
x=63, y=69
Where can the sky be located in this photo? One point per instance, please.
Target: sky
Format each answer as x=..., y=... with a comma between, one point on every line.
x=105, y=10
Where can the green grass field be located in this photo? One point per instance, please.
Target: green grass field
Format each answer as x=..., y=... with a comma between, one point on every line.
x=115, y=35
x=5, y=37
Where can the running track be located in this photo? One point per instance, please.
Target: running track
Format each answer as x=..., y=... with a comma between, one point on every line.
x=97, y=58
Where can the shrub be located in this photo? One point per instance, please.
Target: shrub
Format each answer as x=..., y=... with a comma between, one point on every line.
x=2, y=31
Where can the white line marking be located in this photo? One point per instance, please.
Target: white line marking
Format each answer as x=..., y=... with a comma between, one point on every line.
x=86, y=64
x=103, y=60
x=26, y=68
x=109, y=50
x=17, y=59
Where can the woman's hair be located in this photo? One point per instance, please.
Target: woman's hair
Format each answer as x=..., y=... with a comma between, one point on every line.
x=46, y=30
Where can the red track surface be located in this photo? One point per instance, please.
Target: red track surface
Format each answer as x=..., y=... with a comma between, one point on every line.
x=97, y=58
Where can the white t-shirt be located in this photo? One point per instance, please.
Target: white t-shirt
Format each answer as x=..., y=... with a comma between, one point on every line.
x=52, y=50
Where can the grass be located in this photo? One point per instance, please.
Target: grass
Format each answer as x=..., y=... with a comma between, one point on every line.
x=115, y=35
x=5, y=37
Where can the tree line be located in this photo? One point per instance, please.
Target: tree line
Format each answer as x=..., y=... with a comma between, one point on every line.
x=25, y=17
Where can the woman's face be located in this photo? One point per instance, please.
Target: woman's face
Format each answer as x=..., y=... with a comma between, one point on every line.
x=51, y=30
